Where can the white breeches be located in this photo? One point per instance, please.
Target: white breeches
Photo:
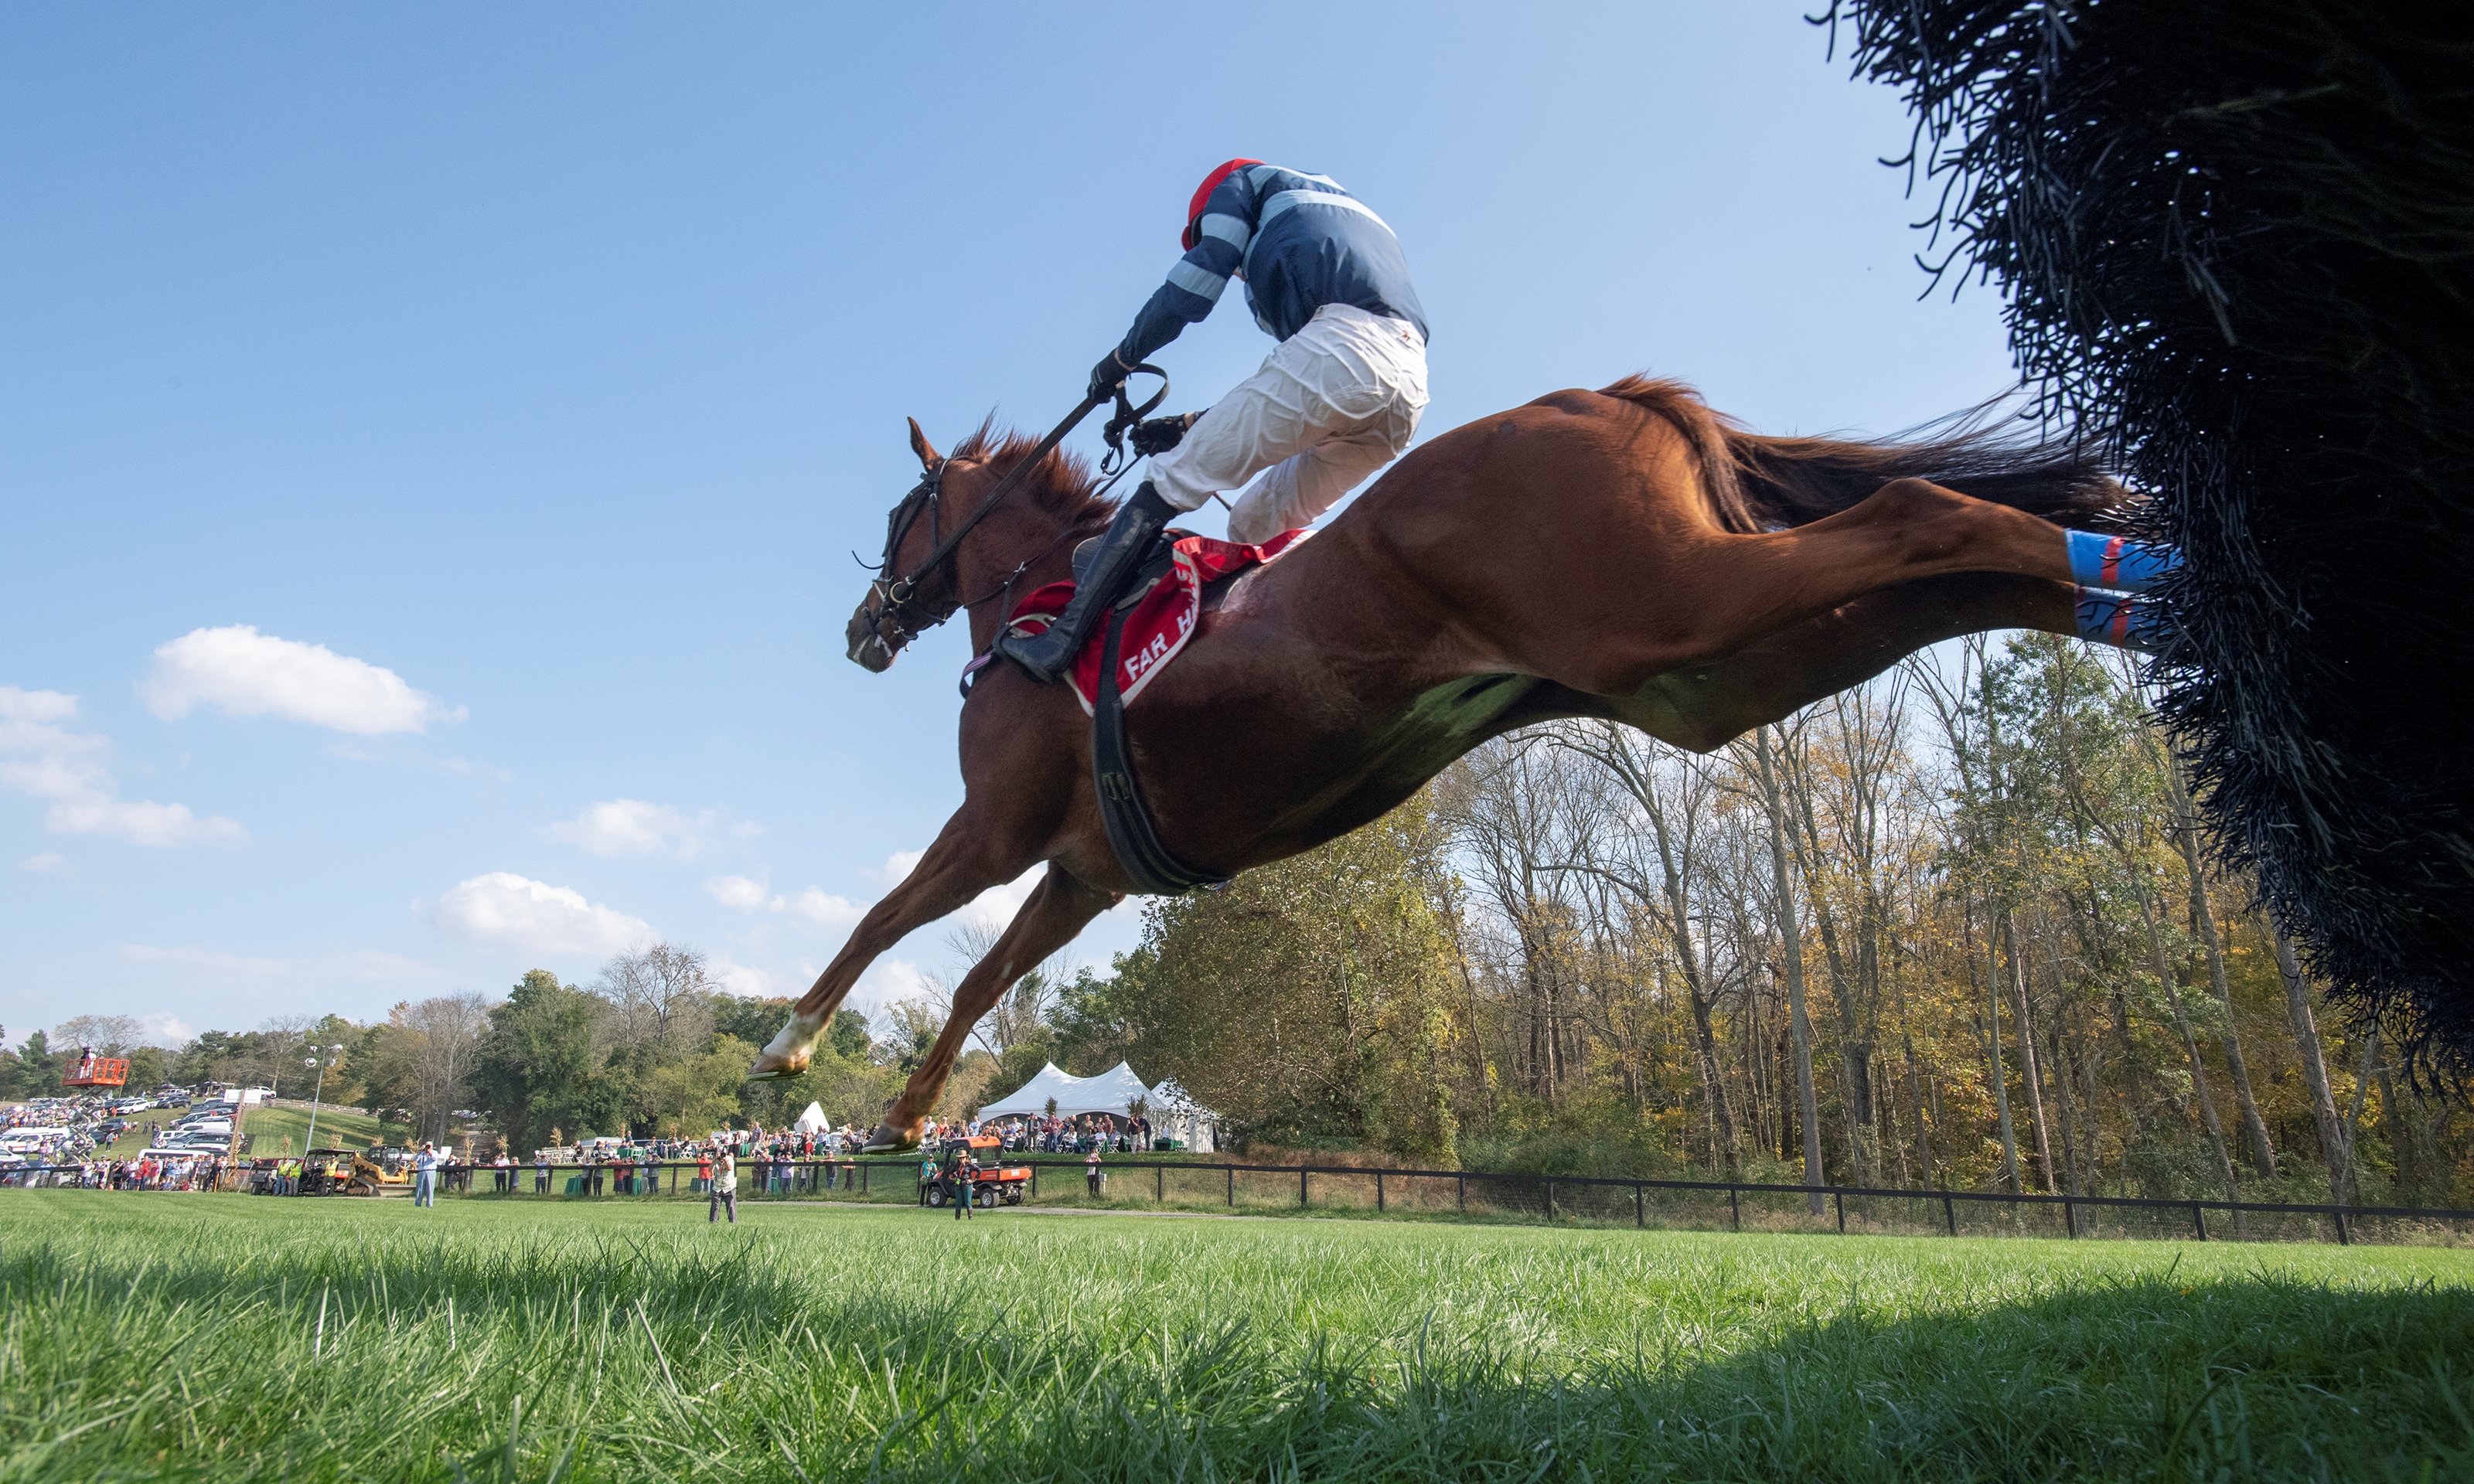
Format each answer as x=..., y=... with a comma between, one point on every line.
x=1338, y=401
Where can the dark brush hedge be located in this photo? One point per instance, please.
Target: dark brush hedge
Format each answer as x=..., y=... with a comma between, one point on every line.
x=2236, y=240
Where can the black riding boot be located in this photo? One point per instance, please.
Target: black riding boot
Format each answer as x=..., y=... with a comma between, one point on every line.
x=1048, y=654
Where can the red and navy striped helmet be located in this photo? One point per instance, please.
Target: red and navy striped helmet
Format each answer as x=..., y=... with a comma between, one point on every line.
x=1202, y=196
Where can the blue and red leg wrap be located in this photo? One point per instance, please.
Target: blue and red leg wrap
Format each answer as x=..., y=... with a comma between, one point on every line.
x=2119, y=563
x=2121, y=620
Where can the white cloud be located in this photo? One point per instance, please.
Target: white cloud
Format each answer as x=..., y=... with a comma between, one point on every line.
x=740, y=979
x=49, y=761
x=534, y=917
x=819, y=907
x=736, y=892
x=816, y=904
x=631, y=826
x=143, y=822
x=49, y=863
x=35, y=706
x=246, y=673
x=888, y=980
x=166, y=1030
x=897, y=866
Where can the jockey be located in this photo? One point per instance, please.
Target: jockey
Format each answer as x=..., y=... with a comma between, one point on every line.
x=1337, y=400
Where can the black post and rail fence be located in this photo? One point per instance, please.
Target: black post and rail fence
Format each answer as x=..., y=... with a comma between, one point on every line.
x=1491, y=1195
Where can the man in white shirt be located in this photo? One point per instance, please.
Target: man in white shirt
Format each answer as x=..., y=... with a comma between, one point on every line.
x=725, y=1190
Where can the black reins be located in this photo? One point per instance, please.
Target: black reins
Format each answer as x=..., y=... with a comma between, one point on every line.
x=927, y=495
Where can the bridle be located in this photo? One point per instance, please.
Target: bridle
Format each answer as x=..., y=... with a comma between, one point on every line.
x=897, y=597
x=894, y=596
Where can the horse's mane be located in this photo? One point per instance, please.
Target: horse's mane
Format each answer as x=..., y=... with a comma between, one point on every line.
x=1062, y=484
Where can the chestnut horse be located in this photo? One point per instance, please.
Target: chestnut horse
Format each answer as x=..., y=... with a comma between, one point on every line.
x=1624, y=554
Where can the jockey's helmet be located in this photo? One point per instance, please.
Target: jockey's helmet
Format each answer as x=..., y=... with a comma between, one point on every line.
x=1202, y=196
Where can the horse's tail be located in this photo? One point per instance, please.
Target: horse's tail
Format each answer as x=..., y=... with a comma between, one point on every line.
x=1756, y=483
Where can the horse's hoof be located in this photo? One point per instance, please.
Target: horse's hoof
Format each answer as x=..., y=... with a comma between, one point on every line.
x=789, y=1052
x=772, y=1066
x=888, y=1140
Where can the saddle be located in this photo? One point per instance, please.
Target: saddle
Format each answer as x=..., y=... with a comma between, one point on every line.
x=1182, y=577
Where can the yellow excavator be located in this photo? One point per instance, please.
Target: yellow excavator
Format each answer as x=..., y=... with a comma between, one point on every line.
x=376, y=1171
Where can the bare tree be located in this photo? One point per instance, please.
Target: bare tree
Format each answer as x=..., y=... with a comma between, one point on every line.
x=278, y=1062
x=107, y=1034
x=1024, y=1011
x=1791, y=960
x=428, y=1048
x=664, y=1000
x=1509, y=803
x=2262, y=1152
x=1674, y=801
x=2333, y=1145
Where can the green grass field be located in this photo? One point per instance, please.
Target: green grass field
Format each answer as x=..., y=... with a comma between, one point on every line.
x=269, y=1127
x=239, y=1338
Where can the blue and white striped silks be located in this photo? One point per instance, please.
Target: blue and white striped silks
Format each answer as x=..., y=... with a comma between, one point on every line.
x=1300, y=241
x=2119, y=563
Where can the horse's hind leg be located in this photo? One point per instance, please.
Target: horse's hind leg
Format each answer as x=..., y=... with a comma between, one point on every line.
x=1718, y=593
x=1704, y=707
x=969, y=856
x=1058, y=908
x=1907, y=530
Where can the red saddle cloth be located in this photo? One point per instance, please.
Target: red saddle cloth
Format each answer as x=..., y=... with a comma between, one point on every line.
x=1162, y=622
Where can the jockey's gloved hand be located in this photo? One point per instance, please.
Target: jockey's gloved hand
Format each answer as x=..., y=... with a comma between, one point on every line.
x=1108, y=375
x=1159, y=434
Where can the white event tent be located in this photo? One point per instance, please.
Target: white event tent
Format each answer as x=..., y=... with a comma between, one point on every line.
x=1175, y=1114
x=1113, y=1092
x=813, y=1121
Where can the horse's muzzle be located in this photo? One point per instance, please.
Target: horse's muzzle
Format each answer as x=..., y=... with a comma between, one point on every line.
x=867, y=648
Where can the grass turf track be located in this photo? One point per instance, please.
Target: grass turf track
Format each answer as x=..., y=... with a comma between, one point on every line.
x=270, y=1127
x=236, y=1337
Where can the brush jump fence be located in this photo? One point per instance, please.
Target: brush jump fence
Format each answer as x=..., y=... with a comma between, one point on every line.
x=1493, y=1195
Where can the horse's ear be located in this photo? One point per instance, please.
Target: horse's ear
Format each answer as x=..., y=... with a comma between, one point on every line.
x=929, y=456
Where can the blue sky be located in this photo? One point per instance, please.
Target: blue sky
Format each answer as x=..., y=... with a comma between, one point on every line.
x=431, y=437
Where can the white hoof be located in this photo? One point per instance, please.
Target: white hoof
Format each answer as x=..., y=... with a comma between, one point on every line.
x=888, y=1140
x=789, y=1052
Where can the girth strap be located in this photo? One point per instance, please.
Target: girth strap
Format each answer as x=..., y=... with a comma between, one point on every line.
x=1129, y=821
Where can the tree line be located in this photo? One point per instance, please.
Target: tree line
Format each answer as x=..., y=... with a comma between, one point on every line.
x=1955, y=929
x=1952, y=929
x=651, y=1047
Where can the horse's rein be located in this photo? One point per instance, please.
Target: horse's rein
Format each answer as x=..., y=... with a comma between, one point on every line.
x=898, y=592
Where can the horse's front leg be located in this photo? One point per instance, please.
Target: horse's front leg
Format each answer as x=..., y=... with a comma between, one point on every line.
x=1058, y=908
x=959, y=866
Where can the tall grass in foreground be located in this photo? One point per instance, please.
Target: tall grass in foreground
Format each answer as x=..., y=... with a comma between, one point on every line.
x=234, y=1338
